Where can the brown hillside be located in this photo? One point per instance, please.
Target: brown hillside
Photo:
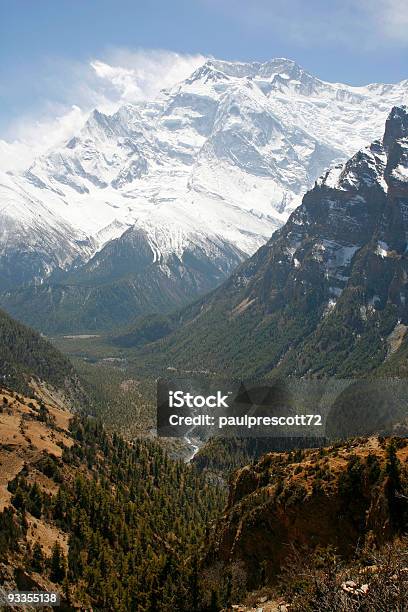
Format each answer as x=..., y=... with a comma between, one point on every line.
x=341, y=496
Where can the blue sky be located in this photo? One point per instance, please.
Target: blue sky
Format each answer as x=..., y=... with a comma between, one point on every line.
x=56, y=55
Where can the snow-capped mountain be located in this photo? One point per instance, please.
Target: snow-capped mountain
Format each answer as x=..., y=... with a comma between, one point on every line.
x=213, y=166
x=326, y=295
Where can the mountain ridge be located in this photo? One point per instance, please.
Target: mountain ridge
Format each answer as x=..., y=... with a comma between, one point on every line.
x=327, y=292
x=212, y=166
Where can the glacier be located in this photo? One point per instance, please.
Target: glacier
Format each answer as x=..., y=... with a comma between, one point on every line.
x=221, y=158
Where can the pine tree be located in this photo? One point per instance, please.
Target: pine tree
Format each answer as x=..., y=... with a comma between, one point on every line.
x=228, y=590
x=57, y=563
x=396, y=503
x=37, y=558
x=214, y=604
x=194, y=586
x=392, y=467
x=35, y=501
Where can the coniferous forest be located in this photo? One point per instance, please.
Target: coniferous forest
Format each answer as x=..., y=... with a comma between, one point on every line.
x=135, y=519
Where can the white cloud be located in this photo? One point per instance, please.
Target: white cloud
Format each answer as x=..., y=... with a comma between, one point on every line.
x=123, y=79
x=72, y=90
x=35, y=136
x=141, y=75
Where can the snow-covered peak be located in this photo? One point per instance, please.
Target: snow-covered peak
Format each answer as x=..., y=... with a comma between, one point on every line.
x=278, y=75
x=230, y=151
x=382, y=162
x=365, y=168
x=206, y=73
x=215, y=75
x=242, y=70
x=103, y=127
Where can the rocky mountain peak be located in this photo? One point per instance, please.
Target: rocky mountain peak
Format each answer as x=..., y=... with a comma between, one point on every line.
x=329, y=291
x=214, y=69
x=396, y=126
x=209, y=71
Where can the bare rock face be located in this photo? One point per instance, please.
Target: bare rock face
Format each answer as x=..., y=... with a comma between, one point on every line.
x=338, y=497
